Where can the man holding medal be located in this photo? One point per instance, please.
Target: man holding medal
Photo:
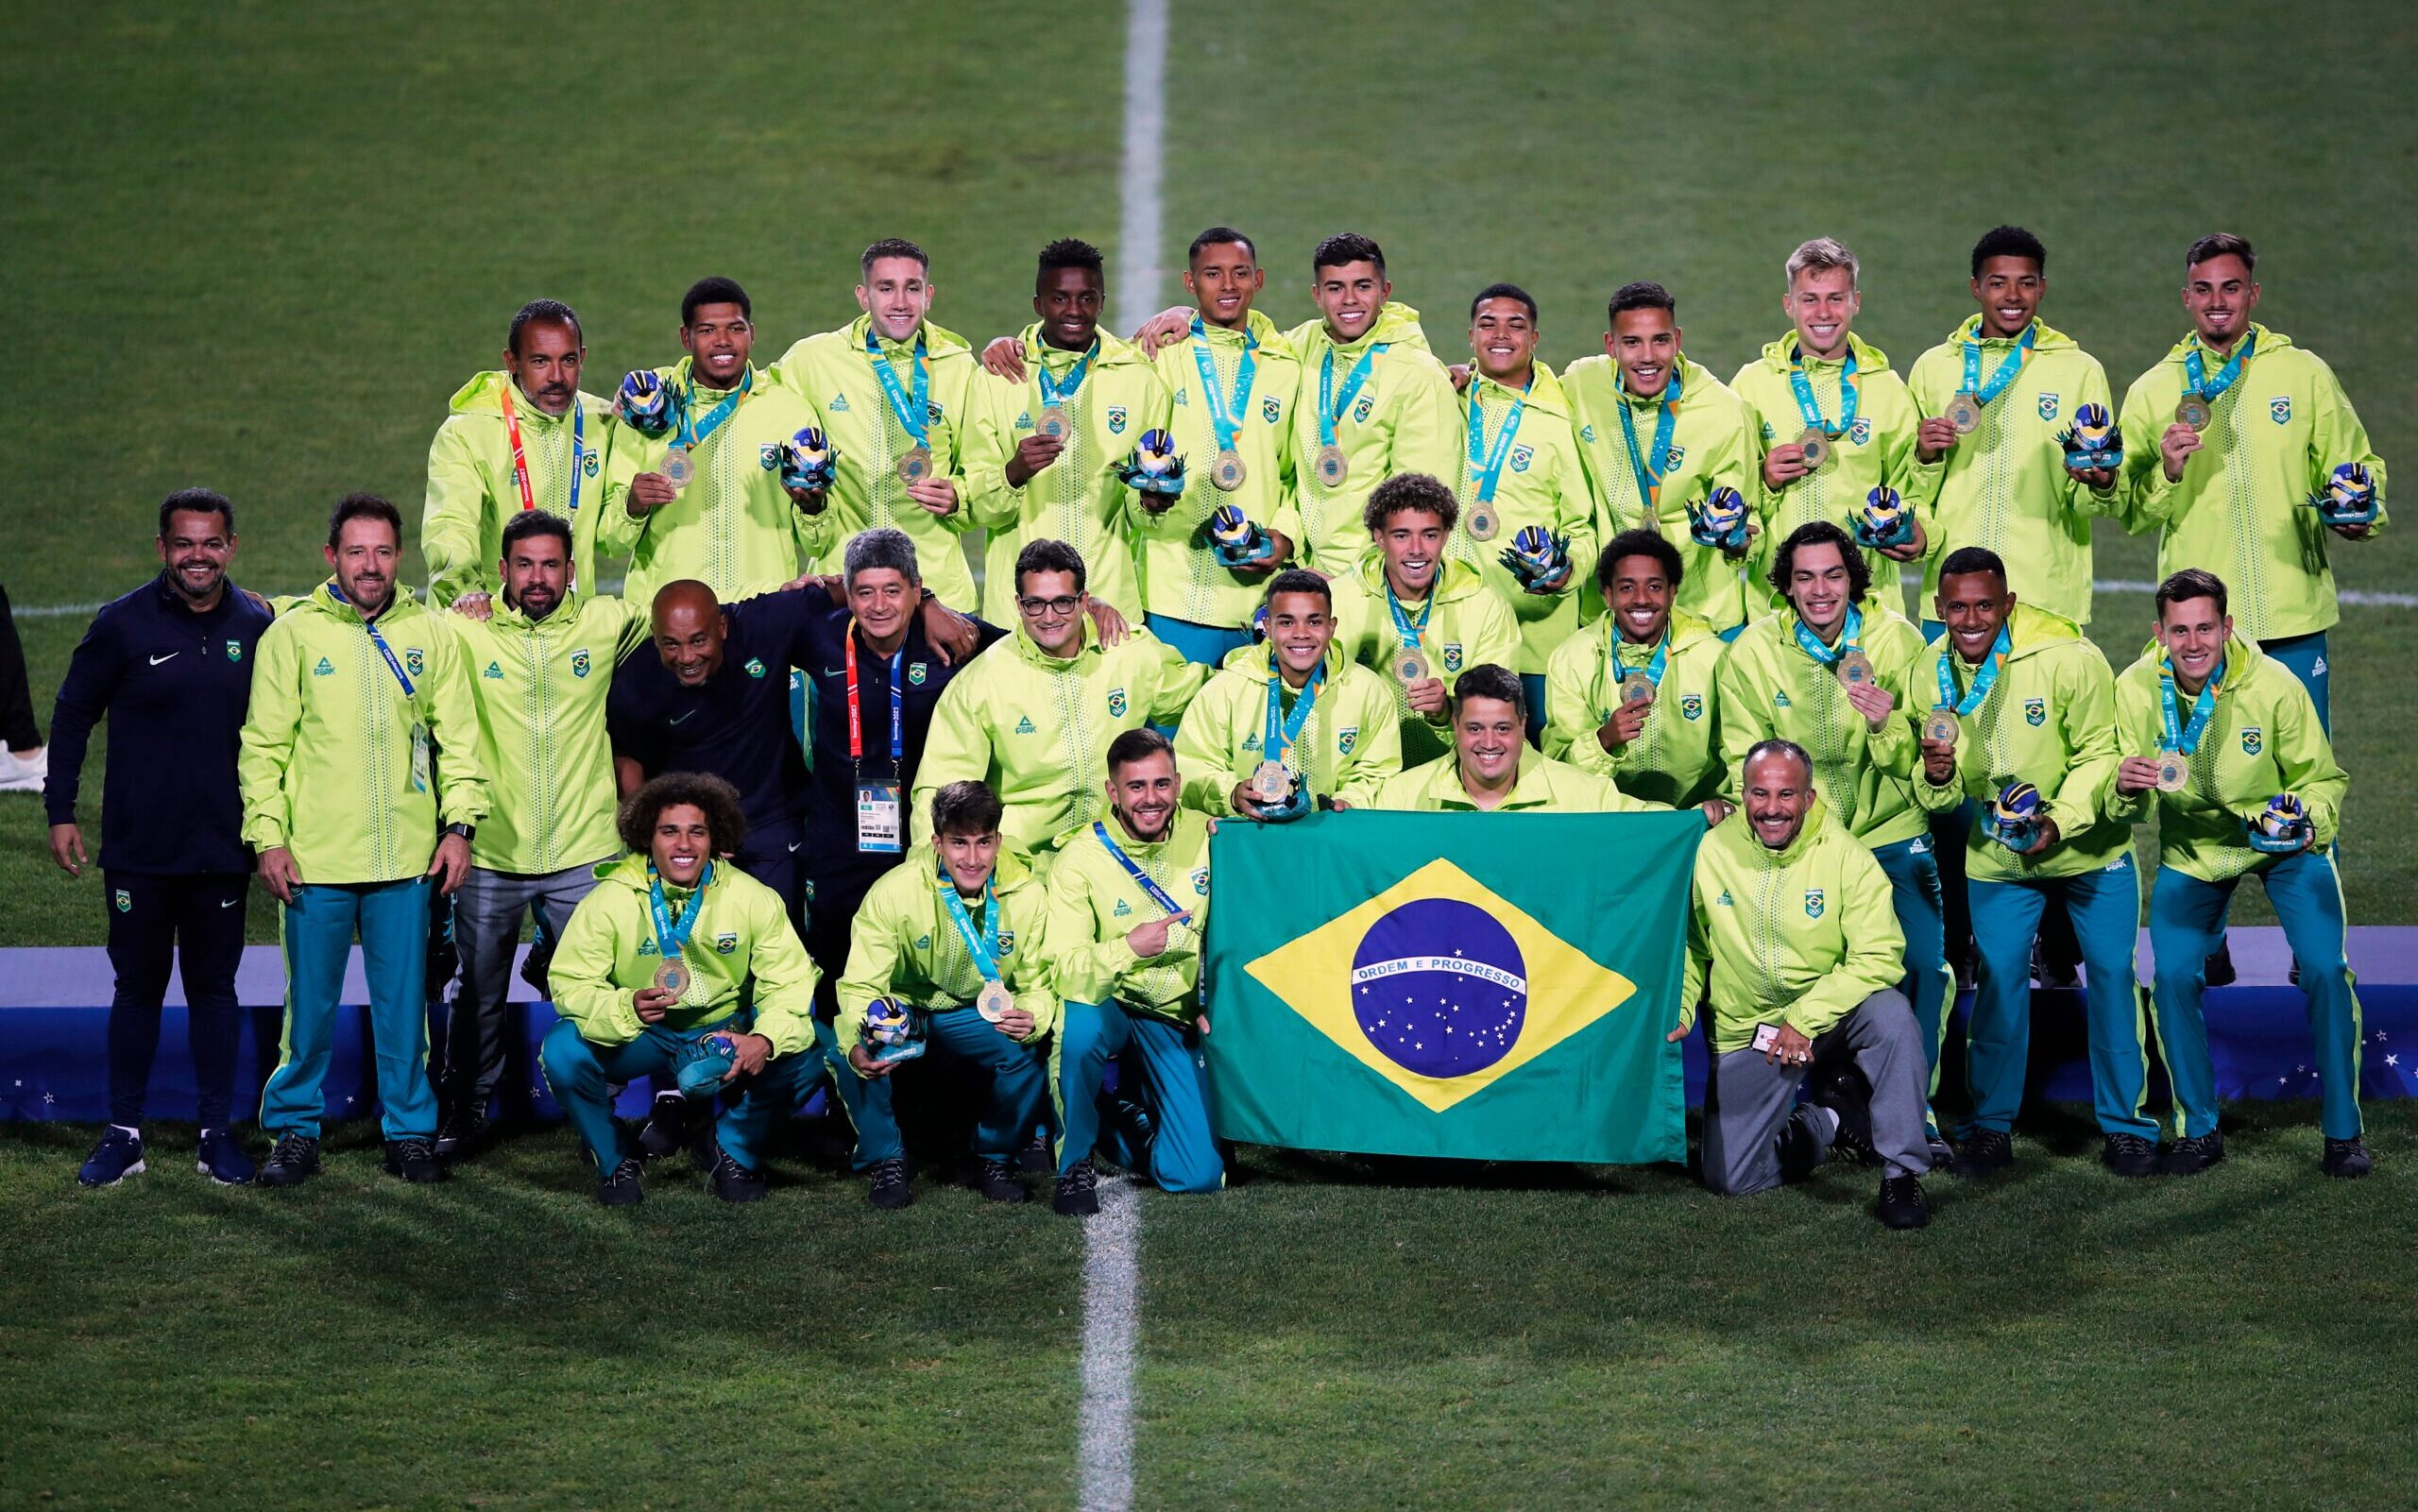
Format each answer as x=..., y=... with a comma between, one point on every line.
x=2246, y=453
x=680, y=963
x=517, y=439
x=1834, y=425
x=2245, y=785
x=1053, y=453
x=2020, y=697
x=895, y=394
x=1129, y=909
x=1632, y=698
x=1655, y=427
x=354, y=691
x=702, y=484
x=1832, y=671
x=1035, y=716
x=1527, y=520
x=1415, y=617
x=1490, y=766
x=956, y=936
x=1292, y=726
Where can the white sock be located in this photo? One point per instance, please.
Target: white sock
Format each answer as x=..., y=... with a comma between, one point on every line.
x=135, y=1133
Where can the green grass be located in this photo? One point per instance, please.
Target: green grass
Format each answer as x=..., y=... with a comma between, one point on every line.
x=1542, y=1338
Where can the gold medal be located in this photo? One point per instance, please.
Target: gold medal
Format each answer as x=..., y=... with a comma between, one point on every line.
x=1636, y=687
x=915, y=464
x=1271, y=784
x=1332, y=467
x=1964, y=413
x=1227, y=473
x=2194, y=411
x=1941, y=728
x=1854, y=669
x=1409, y=666
x=993, y=1001
x=1482, y=522
x=2173, y=772
x=1816, y=447
x=673, y=977
x=680, y=469
x=1052, y=423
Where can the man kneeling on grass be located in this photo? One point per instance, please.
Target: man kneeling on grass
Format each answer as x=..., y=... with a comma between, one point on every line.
x=648, y=981
x=1792, y=922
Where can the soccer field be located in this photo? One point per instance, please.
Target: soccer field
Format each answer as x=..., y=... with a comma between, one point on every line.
x=258, y=247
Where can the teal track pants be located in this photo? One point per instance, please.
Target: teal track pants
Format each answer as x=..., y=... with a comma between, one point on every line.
x=1914, y=894
x=2186, y=915
x=2106, y=907
x=582, y=1075
x=2304, y=656
x=1011, y=1108
x=317, y=928
x=1205, y=644
x=1182, y=1154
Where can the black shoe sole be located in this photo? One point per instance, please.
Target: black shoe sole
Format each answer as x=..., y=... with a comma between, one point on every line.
x=273, y=1178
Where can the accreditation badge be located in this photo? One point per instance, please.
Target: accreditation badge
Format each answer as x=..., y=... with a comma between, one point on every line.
x=879, y=831
x=1854, y=670
x=680, y=469
x=2194, y=411
x=1816, y=447
x=993, y=1001
x=1964, y=413
x=422, y=759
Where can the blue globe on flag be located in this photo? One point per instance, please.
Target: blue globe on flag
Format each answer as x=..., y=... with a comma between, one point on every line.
x=1439, y=988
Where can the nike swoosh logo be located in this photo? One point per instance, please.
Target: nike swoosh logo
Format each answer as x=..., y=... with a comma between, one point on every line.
x=170, y=657
x=794, y=845
x=833, y=671
x=682, y=717
x=230, y=903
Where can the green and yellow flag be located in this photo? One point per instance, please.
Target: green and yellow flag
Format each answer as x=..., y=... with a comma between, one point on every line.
x=1479, y=986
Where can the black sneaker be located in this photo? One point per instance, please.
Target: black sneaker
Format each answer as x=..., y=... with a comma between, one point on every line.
x=734, y=1182
x=532, y=969
x=1984, y=1152
x=1841, y=1090
x=1943, y=1154
x=1035, y=1156
x=2189, y=1157
x=2347, y=1158
x=414, y=1160
x=2130, y=1155
x=118, y=1156
x=294, y=1161
x=1967, y=972
x=997, y=1183
x=222, y=1159
x=667, y=1126
x=1902, y=1204
x=621, y=1189
x=1077, y=1191
x=2056, y=975
x=2218, y=969
x=464, y=1130
x=886, y=1186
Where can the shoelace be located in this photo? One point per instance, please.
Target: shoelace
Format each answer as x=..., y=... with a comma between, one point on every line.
x=291, y=1150
x=892, y=1173
x=413, y=1149
x=1083, y=1178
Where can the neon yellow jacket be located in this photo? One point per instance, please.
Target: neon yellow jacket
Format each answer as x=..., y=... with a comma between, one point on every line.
x=1470, y=626
x=2263, y=740
x=338, y=765
x=1351, y=739
x=1405, y=418
x=1543, y=483
x=1800, y=936
x=1077, y=498
x=904, y=945
x=2050, y=721
x=2278, y=434
x=1544, y=786
x=831, y=373
x=734, y=528
x=1180, y=577
x=2005, y=485
x=540, y=692
x=471, y=491
x=1768, y=686
x=1878, y=449
x=743, y=938
x=1037, y=728
x=1676, y=758
x=1710, y=449
x=1095, y=903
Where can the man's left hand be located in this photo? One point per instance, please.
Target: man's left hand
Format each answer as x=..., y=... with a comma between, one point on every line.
x=937, y=495
x=748, y=1054
x=2046, y=837
x=952, y=634
x=1912, y=551
x=451, y=864
x=1873, y=702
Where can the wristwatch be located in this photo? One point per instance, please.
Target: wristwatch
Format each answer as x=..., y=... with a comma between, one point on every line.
x=466, y=831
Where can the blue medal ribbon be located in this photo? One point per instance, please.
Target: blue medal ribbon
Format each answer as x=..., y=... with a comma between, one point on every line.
x=2195, y=373
x=1985, y=679
x=1649, y=467
x=376, y=638
x=984, y=947
x=695, y=432
x=2179, y=736
x=1485, y=467
x=671, y=936
x=1053, y=393
x=1983, y=393
x=1653, y=664
x=1807, y=406
x=1158, y=895
x=1847, y=638
x=1331, y=405
x=1284, y=729
x=578, y=451
x=1225, y=411
x=1405, y=626
x=914, y=415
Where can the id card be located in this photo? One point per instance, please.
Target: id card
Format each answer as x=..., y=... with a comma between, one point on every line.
x=419, y=759
x=1766, y=1035
x=879, y=811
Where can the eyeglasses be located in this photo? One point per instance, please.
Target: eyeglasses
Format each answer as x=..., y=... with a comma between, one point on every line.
x=1039, y=606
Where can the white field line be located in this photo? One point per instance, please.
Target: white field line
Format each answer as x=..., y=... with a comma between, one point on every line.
x=1112, y=1349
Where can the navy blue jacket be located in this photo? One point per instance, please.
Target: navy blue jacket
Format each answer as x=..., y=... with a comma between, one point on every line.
x=175, y=686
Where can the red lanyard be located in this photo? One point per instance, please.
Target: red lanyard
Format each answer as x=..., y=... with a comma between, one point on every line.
x=520, y=459
x=897, y=704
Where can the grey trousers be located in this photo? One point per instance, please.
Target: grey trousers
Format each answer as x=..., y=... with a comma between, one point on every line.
x=486, y=929
x=1756, y=1135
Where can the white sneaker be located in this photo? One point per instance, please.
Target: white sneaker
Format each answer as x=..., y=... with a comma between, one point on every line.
x=24, y=774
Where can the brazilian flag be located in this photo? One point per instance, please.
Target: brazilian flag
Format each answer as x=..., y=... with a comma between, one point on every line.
x=1481, y=986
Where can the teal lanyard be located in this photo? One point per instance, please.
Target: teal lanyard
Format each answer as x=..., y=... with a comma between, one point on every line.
x=1054, y=393
x=1331, y=407
x=1985, y=678
x=1654, y=665
x=1225, y=411
x=1650, y=466
x=1812, y=411
x=1158, y=895
x=1847, y=638
x=695, y=432
x=984, y=947
x=1403, y=625
x=2195, y=372
x=2180, y=736
x=1283, y=731
x=671, y=937
x=1485, y=467
x=2013, y=364
x=914, y=413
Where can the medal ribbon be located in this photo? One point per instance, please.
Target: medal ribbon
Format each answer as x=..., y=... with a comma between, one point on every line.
x=1331, y=405
x=915, y=414
x=1812, y=411
x=2182, y=738
x=1054, y=393
x=1284, y=729
x=1486, y=470
x=693, y=433
x=1158, y=895
x=1653, y=664
x=1404, y=626
x=1813, y=644
x=2007, y=368
x=1985, y=679
x=376, y=638
x=2195, y=373
x=984, y=947
x=897, y=706
x=520, y=459
x=671, y=937
x=1649, y=467
x=1225, y=413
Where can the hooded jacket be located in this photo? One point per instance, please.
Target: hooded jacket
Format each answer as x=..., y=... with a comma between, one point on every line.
x=1346, y=747
x=1543, y=785
x=904, y=945
x=1768, y=686
x=1405, y=418
x=1469, y=627
x=1676, y=758
x=1543, y=483
x=471, y=491
x=1095, y=903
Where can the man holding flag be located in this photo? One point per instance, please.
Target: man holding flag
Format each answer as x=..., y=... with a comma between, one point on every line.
x=1490, y=766
x=1632, y=698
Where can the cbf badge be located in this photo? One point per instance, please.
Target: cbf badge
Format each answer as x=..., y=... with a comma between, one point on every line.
x=1812, y=902
x=414, y=660
x=1117, y=702
x=234, y=651
x=579, y=663
x=124, y=901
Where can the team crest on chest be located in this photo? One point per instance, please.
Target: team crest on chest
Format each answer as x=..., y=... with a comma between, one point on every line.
x=769, y=455
x=1521, y=457
x=1861, y=432
x=1679, y=455
x=1270, y=411
x=2252, y=741
x=2035, y=710
x=1007, y=943
x=587, y=465
x=1812, y=902
x=1690, y=705
x=579, y=662
x=124, y=901
x=725, y=944
x=1116, y=419
x=1452, y=655
x=755, y=666
x=932, y=412
x=2280, y=408
x=1367, y=407
x=916, y=674
x=414, y=660
x=234, y=651
x=1346, y=738
x=2048, y=406
x=1117, y=702
x=1201, y=880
